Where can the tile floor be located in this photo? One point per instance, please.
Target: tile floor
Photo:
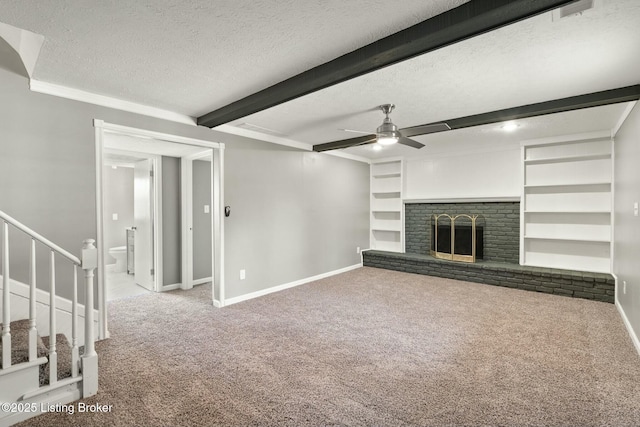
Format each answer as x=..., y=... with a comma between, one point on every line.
x=122, y=285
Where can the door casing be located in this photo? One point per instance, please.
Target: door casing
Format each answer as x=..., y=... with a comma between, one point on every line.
x=217, y=173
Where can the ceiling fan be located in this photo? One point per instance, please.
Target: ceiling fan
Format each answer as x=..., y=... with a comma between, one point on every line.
x=386, y=134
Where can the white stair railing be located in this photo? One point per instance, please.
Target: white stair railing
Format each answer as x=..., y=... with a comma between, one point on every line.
x=88, y=263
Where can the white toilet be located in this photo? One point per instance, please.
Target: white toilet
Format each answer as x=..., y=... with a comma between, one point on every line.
x=120, y=254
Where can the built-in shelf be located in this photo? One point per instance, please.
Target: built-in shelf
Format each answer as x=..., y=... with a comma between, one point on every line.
x=566, y=211
x=387, y=175
x=566, y=205
x=575, y=184
x=395, y=230
x=386, y=192
x=570, y=239
x=386, y=206
x=561, y=159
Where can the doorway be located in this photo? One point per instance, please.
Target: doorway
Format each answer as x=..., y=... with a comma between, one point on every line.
x=158, y=155
x=132, y=216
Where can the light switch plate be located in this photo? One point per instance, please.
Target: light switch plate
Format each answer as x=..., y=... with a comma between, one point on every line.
x=114, y=217
x=206, y=208
x=635, y=209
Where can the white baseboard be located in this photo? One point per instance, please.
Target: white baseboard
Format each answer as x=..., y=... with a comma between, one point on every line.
x=20, y=310
x=273, y=289
x=217, y=304
x=632, y=334
x=171, y=287
x=201, y=281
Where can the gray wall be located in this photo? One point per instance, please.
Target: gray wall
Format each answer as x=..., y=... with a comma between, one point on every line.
x=626, y=239
x=295, y=214
x=118, y=198
x=171, y=221
x=201, y=221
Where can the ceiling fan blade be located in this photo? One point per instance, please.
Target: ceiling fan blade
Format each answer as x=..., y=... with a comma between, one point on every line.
x=424, y=129
x=410, y=142
x=355, y=131
x=345, y=143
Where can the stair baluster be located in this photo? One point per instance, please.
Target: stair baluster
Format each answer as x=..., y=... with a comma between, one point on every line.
x=53, y=354
x=74, y=325
x=89, y=357
x=33, y=331
x=6, y=297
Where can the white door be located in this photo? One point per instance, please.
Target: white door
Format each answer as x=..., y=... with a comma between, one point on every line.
x=143, y=221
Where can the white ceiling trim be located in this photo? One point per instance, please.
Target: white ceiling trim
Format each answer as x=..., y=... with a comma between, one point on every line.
x=26, y=44
x=348, y=156
x=623, y=117
x=264, y=137
x=108, y=101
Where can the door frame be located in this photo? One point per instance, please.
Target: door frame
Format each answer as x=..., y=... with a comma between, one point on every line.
x=217, y=174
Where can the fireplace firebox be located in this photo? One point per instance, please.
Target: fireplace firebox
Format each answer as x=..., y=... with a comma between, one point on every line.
x=457, y=238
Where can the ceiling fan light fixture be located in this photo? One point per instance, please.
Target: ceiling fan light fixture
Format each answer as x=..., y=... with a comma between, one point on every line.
x=387, y=132
x=377, y=147
x=387, y=139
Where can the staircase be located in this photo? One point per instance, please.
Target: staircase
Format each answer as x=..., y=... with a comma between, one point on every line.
x=36, y=370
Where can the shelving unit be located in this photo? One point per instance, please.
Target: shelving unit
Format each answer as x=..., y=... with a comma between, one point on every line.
x=566, y=205
x=387, y=211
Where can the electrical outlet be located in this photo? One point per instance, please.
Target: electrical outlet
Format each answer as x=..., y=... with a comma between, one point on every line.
x=243, y=274
x=635, y=209
x=206, y=208
x=358, y=249
x=114, y=217
x=624, y=287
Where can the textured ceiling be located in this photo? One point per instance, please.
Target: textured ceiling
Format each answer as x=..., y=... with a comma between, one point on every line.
x=192, y=57
x=531, y=61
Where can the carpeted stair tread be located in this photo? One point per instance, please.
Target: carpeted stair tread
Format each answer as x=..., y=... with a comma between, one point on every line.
x=63, y=349
x=20, y=342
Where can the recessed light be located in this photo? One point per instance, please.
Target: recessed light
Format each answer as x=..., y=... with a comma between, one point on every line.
x=509, y=126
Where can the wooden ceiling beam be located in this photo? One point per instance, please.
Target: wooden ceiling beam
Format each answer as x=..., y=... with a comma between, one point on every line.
x=589, y=100
x=463, y=22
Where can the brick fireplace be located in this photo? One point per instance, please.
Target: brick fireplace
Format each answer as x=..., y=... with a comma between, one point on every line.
x=501, y=227
x=500, y=263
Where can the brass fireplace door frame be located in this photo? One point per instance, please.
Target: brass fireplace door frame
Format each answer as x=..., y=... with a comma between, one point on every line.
x=453, y=256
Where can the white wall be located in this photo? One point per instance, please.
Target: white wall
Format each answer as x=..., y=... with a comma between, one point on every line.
x=626, y=239
x=464, y=175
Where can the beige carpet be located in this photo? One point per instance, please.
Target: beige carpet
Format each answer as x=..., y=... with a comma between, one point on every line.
x=366, y=348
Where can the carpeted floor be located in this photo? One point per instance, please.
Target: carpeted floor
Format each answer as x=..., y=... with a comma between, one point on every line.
x=366, y=348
